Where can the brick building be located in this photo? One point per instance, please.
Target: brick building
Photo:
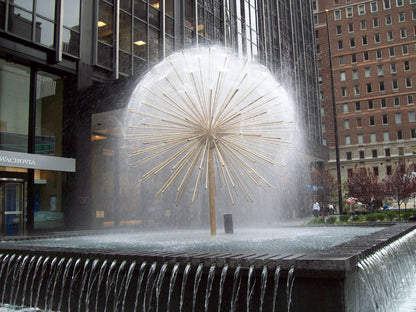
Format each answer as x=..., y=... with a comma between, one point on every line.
x=373, y=53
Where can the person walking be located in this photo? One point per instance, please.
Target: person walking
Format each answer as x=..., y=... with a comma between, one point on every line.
x=316, y=209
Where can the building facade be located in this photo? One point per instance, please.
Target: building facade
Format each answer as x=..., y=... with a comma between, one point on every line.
x=372, y=49
x=67, y=69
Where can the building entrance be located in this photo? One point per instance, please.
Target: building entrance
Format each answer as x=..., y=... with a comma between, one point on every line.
x=12, y=206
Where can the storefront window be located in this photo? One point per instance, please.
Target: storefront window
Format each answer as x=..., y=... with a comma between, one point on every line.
x=14, y=106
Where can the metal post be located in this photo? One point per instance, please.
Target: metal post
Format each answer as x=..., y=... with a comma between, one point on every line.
x=334, y=115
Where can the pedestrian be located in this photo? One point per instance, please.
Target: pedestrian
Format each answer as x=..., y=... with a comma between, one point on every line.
x=331, y=209
x=315, y=209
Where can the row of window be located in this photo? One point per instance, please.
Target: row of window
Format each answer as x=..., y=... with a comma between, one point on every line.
x=372, y=104
x=381, y=86
x=380, y=71
x=361, y=8
x=384, y=120
x=385, y=139
x=375, y=153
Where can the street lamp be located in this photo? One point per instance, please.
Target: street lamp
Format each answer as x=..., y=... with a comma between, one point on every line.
x=334, y=116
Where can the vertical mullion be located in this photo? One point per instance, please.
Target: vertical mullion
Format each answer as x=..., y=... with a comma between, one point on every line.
x=33, y=35
x=116, y=39
x=58, y=30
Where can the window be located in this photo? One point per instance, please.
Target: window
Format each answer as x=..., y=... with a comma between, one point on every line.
x=366, y=56
x=365, y=40
x=377, y=38
x=360, y=139
x=315, y=19
x=405, y=49
x=361, y=153
x=401, y=17
x=403, y=33
x=398, y=118
x=374, y=153
x=411, y=116
x=352, y=42
x=337, y=15
x=380, y=70
x=345, y=108
x=340, y=45
x=372, y=121
x=350, y=27
x=399, y=135
x=367, y=72
x=399, y=3
x=413, y=14
x=344, y=91
x=381, y=86
x=370, y=104
x=373, y=7
x=396, y=101
x=348, y=12
x=363, y=24
x=410, y=99
x=375, y=22
x=406, y=65
x=353, y=58
x=369, y=88
x=346, y=124
x=390, y=35
x=387, y=152
x=401, y=148
x=378, y=54
x=393, y=68
x=386, y=4
x=361, y=9
x=355, y=74
x=349, y=156
x=408, y=82
x=359, y=122
x=385, y=120
x=388, y=170
x=392, y=53
x=383, y=103
x=347, y=140
x=413, y=133
x=320, y=79
x=386, y=136
x=373, y=138
x=339, y=30
x=341, y=60
x=356, y=90
x=388, y=20
x=343, y=76
x=358, y=106
x=395, y=84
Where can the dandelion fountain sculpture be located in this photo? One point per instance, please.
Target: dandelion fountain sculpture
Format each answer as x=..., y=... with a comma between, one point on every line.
x=206, y=108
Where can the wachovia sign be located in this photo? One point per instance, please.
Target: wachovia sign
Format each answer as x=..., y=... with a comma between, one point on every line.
x=35, y=161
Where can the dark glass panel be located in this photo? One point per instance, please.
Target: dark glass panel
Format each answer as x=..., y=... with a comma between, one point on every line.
x=14, y=107
x=26, y=4
x=189, y=13
x=140, y=39
x=125, y=63
x=105, y=55
x=125, y=32
x=44, y=32
x=20, y=22
x=169, y=7
x=155, y=4
x=140, y=66
x=2, y=14
x=140, y=9
x=169, y=26
x=154, y=17
x=125, y=5
x=46, y=8
x=189, y=40
x=153, y=45
x=105, y=23
x=170, y=45
x=70, y=42
x=72, y=14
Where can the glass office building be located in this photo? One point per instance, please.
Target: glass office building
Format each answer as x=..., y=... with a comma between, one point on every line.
x=66, y=66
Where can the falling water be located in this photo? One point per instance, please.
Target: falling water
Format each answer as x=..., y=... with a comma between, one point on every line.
x=149, y=284
x=160, y=278
x=35, y=274
x=222, y=281
x=250, y=287
x=129, y=277
x=64, y=279
x=197, y=280
x=92, y=279
x=31, y=264
x=85, y=275
x=263, y=286
x=75, y=273
x=172, y=281
x=184, y=278
x=209, y=285
x=236, y=288
x=139, y=284
x=289, y=286
x=276, y=286
x=45, y=265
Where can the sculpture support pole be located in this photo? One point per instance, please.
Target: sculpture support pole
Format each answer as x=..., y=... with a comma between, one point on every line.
x=211, y=186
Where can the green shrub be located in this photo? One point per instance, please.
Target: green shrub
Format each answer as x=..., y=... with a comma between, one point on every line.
x=391, y=215
x=331, y=220
x=344, y=218
x=407, y=214
x=381, y=216
x=316, y=221
x=356, y=218
x=372, y=217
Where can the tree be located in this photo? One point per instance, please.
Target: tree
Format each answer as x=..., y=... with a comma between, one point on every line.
x=364, y=184
x=401, y=184
x=326, y=186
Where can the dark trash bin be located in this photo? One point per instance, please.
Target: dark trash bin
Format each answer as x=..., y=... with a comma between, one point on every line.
x=228, y=223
